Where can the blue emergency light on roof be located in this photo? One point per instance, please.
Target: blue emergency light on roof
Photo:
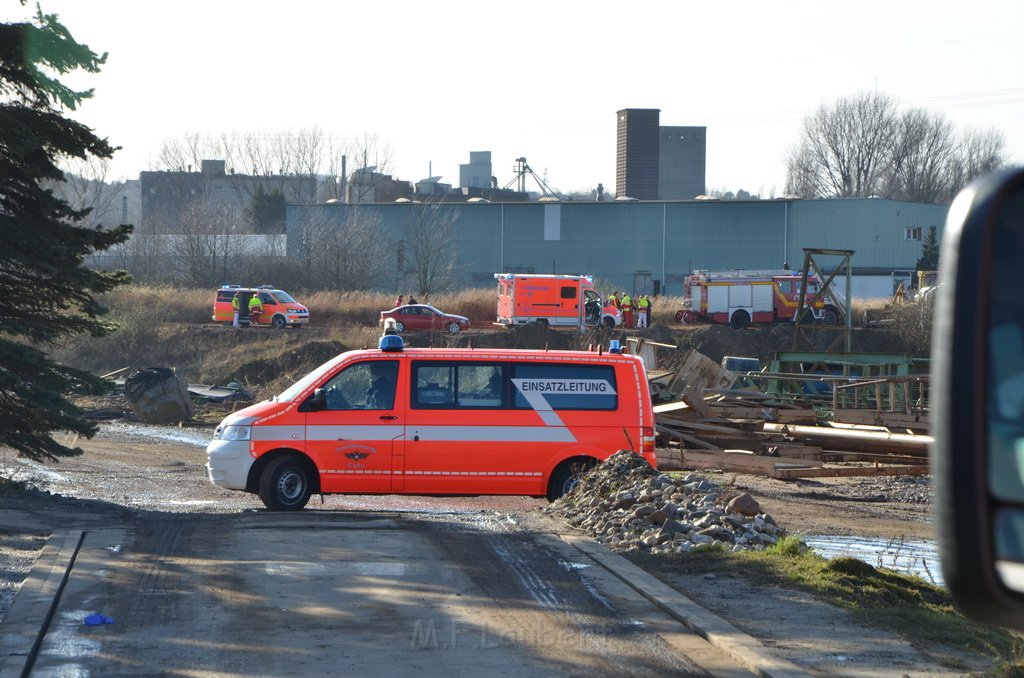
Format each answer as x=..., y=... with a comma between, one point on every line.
x=391, y=343
x=614, y=346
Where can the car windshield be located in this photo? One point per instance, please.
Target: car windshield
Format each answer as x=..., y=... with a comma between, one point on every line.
x=284, y=297
x=301, y=385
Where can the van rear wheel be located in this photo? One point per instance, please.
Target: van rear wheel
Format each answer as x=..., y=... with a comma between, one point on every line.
x=567, y=475
x=286, y=483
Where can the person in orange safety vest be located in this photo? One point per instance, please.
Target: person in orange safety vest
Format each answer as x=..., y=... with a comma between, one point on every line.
x=626, y=304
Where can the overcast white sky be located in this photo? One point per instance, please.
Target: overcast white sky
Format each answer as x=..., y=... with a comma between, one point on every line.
x=543, y=80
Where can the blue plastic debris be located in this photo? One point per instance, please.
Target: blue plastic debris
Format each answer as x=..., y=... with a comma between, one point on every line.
x=97, y=619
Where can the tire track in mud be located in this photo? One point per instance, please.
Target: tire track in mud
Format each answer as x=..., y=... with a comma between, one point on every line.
x=543, y=602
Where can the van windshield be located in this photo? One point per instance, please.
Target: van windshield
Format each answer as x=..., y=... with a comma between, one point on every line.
x=302, y=384
x=284, y=297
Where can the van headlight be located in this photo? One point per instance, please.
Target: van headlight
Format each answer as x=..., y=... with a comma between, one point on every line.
x=232, y=432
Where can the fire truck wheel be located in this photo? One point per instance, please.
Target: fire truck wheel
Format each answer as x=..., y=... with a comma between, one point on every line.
x=739, y=320
x=567, y=475
x=286, y=483
x=453, y=328
x=279, y=322
x=830, y=317
x=679, y=316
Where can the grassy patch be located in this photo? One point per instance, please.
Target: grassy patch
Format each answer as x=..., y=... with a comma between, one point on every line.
x=903, y=604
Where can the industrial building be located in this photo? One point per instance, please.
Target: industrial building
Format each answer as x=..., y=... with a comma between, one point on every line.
x=649, y=246
x=658, y=163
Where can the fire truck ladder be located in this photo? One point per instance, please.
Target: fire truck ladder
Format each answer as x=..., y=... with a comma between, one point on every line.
x=805, y=322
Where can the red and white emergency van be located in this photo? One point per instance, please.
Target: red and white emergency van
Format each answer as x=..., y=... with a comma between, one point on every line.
x=437, y=421
x=556, y=300
x=742, y=297
x=280, y=310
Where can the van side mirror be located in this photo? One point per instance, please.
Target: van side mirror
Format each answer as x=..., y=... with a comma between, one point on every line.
x=315, y=402
x=978, y=406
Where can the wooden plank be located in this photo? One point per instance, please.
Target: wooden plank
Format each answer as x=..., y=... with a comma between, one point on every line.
x=796, y=450
x=670, y=407
x=678, y=435
x=839, y=455
x=731, y=411
x=892, y=420
x=733, y=460
x=784, y=468
x=669, y=460
x=699, y=372
x=804, y=416
x=854, y=471
x=692, y=397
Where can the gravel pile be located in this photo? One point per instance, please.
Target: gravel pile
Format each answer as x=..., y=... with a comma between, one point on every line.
x=627, y=505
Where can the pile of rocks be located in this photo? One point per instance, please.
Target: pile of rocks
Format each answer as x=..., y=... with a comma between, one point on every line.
x=899, y=489
x=627, y=505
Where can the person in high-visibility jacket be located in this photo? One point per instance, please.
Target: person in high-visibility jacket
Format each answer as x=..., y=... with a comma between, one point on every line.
x=255, y=308
x=626, y=304
x=236, y=306
x=643, y=305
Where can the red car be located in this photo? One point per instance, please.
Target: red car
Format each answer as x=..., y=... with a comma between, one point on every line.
x=424, y=317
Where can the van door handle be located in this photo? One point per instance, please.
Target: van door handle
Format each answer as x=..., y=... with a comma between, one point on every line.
x=388, y=417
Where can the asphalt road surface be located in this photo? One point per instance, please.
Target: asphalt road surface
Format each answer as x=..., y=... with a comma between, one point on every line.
x=354, y=594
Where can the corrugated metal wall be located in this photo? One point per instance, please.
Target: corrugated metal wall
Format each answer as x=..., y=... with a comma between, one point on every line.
x=615, y=240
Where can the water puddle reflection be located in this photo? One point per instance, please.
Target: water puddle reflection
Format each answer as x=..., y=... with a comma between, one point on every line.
x=919, y=557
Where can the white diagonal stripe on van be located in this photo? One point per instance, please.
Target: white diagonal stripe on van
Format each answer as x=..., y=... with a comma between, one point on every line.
x=535, y=391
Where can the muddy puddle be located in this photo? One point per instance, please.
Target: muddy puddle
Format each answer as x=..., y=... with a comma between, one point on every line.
x=919, y=557
x=200, y=437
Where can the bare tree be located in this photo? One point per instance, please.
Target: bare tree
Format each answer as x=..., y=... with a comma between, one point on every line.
x=209, y=244
x=844, y=148
x=86, y=186
x=351, y=256
x=864, y=147
x=428, y=247
x=922, y=151
x=978, y=153
x=187, y=153
x=367, y=156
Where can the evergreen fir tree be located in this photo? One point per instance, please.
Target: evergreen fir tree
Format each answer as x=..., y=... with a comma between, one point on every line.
x=929, y=260
x=46, y=292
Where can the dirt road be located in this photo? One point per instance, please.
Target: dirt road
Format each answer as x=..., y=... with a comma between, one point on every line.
x=168, y=564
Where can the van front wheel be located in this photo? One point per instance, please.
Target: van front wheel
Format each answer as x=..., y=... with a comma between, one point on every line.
x=566, y=476
x=286, y=483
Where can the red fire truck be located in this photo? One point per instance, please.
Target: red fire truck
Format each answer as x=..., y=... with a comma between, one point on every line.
x=742, y=297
